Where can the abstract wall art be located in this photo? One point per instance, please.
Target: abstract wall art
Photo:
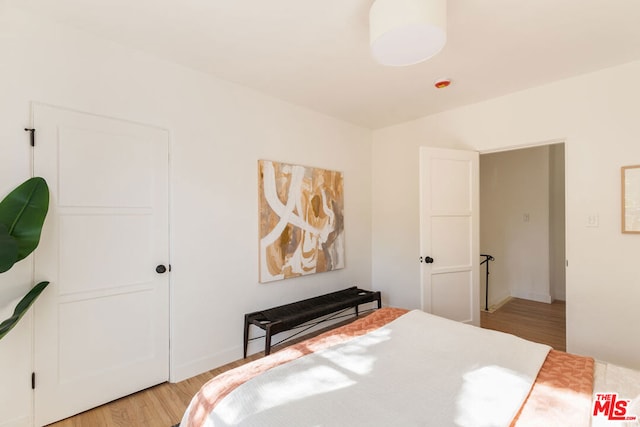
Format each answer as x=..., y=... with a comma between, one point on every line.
x=301, y=220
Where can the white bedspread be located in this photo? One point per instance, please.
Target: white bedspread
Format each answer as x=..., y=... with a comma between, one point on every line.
x=419, y=370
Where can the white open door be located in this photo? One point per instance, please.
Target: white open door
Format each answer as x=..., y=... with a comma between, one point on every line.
x=102, y=325
x=449, y=233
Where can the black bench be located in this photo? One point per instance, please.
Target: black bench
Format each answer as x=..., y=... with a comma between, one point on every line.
x=289, y=316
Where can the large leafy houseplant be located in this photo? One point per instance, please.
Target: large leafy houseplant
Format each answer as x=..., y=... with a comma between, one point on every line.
x=22, y=214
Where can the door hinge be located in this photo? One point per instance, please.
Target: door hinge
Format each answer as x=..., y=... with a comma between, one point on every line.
x=33, y=136
x=33, y=380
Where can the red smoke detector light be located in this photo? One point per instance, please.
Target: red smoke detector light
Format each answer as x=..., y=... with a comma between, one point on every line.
x=442, y=83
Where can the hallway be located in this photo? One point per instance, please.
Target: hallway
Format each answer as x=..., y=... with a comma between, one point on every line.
x=535, y=321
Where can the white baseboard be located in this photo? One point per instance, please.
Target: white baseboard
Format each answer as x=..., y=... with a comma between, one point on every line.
x=196, y=367
x=17, y=422
x=497, y=305
x=532, y=296
x=191, y=369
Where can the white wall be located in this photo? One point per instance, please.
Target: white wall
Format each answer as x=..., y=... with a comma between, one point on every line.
x=514, y=218
x=218, y=132
x=597, y=116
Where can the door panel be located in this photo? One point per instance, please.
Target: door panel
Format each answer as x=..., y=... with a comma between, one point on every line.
x=112, y=161
x=451, y=293
x=450, y=241
x=99, y=356
x=102, y=325
x=131, y=261
x=450, y=187
x=449, y=233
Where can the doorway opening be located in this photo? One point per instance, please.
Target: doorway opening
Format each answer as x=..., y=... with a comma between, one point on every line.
x=522, y=226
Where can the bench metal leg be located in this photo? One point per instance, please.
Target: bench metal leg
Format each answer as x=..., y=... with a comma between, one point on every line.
x=246, y=335
x=267, y=341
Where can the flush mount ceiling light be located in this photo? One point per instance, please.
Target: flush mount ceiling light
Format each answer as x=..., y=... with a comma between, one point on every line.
x=405, y=32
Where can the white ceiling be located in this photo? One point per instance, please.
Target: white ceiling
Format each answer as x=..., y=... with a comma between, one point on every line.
x=316, y=53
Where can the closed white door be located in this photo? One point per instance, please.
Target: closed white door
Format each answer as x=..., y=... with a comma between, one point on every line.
x=102, y=325
x=449, y=233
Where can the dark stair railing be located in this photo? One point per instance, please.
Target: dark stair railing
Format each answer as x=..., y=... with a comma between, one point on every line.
x=487, y=258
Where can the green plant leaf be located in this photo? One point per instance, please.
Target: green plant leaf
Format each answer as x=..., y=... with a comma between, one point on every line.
x=23, y=212
x=22, y=308
x=8, y=249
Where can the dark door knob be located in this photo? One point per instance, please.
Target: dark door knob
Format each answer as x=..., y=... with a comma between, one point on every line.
x=161, y=269
x=428, y=260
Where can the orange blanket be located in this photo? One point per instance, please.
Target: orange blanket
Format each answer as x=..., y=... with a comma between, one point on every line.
x=561, y=395
x=561, y=371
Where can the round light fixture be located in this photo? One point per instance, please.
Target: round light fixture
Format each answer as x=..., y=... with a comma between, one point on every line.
x=405, y=32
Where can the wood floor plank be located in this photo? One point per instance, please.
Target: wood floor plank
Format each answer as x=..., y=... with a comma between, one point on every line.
x=535, y=321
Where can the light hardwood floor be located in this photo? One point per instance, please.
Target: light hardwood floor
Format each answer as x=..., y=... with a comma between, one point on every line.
x=163, y=405
x=535, y=321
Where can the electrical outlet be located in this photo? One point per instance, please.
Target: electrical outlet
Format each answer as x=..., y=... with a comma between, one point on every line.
x=525, y=217
x=593, y=220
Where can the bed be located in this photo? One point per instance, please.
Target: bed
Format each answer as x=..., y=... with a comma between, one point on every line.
x=396, y=367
